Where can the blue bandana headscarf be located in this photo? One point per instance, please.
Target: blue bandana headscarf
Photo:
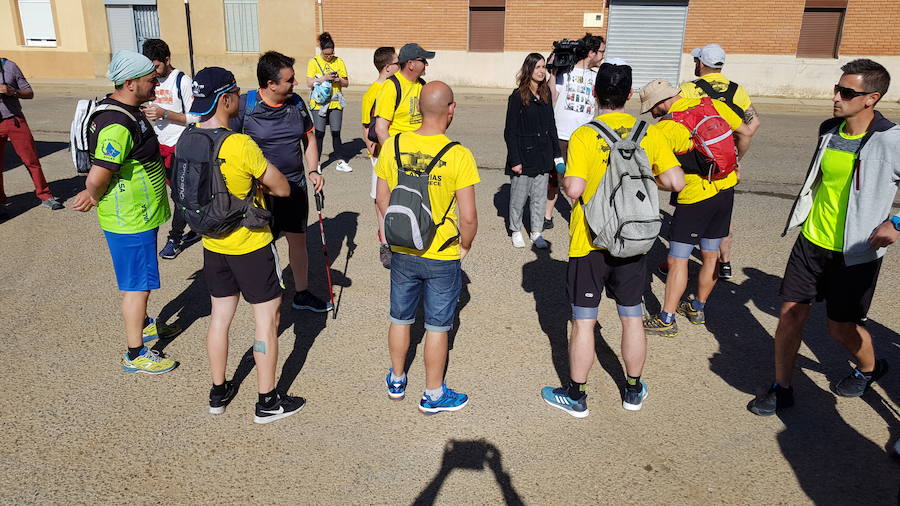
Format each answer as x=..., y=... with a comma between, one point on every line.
x=127, y=64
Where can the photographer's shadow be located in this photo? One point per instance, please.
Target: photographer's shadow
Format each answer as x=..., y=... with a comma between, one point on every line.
x=472, y=455
x=190, y=305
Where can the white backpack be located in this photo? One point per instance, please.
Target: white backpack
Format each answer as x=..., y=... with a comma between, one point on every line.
x=623, y=214
x=85, y=110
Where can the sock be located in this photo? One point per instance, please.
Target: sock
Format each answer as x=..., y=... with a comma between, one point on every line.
x=134, y=353
x=436, y=393
x=697, y=305
x=268, y=399
x=866, y=375
x=398, y=379
x=218, y=389
x=577, y=391
x=666, y=317
x=633, y=383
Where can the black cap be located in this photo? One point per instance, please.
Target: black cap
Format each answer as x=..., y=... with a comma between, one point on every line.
x=413, y=51
x=209, y=84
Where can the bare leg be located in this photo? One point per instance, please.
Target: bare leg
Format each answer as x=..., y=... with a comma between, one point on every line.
x=398, y=346
x=134, y=312
x=581, y=349
x=708, y=275
x=265, y=345
x=788, y=337
x=858, y=342
x=634, y=345
x=221, y=315
x=435, y=359
x=676, y=283
x=299, y=259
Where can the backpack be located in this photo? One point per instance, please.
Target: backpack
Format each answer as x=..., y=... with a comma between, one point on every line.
x=726, y=96
x=372, y=134
x=85, y=111
x=321, y=92
x=199, y=190
x=178, y=87
x=714, y=154
x=408, y=221
x=623, y=214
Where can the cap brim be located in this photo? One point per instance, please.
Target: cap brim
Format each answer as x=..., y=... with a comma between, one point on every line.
x=695, y=52
x=428, y=55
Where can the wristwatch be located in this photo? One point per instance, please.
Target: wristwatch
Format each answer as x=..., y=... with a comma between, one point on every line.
x=895, y=220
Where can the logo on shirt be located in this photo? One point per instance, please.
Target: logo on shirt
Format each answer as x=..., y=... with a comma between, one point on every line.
x=112, y=149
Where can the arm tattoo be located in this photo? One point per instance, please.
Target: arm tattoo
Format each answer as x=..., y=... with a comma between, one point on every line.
x=259, y=346
x=749, y=114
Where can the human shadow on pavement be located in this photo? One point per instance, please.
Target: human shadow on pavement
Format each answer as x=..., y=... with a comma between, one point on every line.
x=11, y=159
x=190, y=305
x=820, y=446
x=349, y=149
x=62, y=189
x=501, y=204
x=475, y=455
x=545, y=278
x=307, y=325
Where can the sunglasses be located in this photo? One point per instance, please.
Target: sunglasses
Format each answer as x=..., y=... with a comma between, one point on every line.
x=849, y=93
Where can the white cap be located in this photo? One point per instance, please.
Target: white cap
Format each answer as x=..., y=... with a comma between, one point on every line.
x=617, y=61
x=711, y=55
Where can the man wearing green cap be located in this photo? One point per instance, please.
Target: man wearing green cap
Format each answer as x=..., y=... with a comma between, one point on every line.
x=127, y=184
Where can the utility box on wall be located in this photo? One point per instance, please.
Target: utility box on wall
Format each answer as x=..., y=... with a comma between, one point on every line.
x=593, y=20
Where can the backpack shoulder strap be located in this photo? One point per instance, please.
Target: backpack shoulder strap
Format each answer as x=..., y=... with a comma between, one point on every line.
x=729, y=99
x=2, y=74
x=604, y=132
x=316, y=59
x=707, y=88
x=178, y=88
x=439, y=155
x=397, y=87
x=638, y=131
x=397, y=152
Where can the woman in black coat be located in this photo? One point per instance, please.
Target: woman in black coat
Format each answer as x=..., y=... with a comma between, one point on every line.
x=531, y=148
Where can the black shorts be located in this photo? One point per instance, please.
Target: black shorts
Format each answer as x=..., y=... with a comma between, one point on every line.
x=707, y=219
x=815, y=273
x=290, y=213
x=256, y=275
x=623, y=278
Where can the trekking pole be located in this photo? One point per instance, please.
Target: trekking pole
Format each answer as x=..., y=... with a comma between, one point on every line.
x=320, y=203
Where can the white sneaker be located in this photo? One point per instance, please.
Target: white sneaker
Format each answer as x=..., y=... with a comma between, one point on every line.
x=343, y=166
x=517, y=239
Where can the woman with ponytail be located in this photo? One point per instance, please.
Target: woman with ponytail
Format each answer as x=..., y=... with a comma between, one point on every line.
x=326, y=76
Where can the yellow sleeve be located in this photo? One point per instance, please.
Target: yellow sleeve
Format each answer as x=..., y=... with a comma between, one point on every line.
x=734, y=121
x=386, y=165
x=341, y=67
x=690, y=90
x=580, y=153
x=742, y=98
x=468, y=169
x=384, y=104
x=253, y=157
x=659, y=151
x=312, y=70
x=368, y=100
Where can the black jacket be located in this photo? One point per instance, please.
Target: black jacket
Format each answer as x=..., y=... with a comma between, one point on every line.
x=530, y=135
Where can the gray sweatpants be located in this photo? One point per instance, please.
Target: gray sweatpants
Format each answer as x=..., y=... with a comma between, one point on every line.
x=534, y=189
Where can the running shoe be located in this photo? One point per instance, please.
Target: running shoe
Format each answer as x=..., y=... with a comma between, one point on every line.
x=285, y=406
x=517, y=240
x=343, y=166
x=396, y=389
x=53, y=204
x=449, y=401
x=149, y=362
x=170, y=250
x=384, y=254
x=158, y=330
x=218, y=403
x=774, y=400
x=634, y=399
x=189, y=238
x=308, y=301
x=539, y=242
x=856, y=384
x=548, y=223
x=656, y=326
x=725, y=270
x=695, y=316
x=559, y=398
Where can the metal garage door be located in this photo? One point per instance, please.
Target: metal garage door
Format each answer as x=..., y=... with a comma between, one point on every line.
x=130, y=24
x=649, y=34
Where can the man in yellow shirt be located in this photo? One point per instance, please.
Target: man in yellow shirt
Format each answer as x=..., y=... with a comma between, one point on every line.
x=591, y=269
x=243, y=261
x=708, y=63
x=401, y=114
x=435, y=270
x=387, y=64
x=703, y=209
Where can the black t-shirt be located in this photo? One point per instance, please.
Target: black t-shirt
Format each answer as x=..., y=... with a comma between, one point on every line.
x=144, y=146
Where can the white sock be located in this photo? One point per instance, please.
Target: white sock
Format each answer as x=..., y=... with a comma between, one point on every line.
x=397, y=379
x=435, y=394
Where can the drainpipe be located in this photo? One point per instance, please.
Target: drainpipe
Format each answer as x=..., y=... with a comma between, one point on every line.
x=321, y=16
x=187, y=16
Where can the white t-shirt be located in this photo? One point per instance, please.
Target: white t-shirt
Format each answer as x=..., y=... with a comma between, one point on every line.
x=575, y=105
x=167, y=98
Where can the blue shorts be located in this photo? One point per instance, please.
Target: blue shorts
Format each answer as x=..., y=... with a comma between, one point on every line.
x=441, y=281
x=134, y=260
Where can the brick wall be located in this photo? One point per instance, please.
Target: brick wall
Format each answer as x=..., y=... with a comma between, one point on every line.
x=533, y=25
x=871, y=27
x=759, y=26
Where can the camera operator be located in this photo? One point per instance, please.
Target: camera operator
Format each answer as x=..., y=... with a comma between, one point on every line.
x=573, y=103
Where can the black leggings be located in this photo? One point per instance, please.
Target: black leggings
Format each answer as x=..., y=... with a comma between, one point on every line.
x=336, y=143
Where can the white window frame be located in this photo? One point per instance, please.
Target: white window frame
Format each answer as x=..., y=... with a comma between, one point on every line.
x=36, y=18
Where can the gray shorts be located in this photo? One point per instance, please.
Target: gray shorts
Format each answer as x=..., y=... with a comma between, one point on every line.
x=334, y=118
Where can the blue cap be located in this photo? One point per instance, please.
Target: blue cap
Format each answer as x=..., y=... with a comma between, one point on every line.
x=209, y=84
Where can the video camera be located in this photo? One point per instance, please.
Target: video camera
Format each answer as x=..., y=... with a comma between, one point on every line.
x=566, y=53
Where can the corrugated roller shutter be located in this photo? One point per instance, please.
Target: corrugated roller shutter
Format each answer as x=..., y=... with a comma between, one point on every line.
x=241, y=26
x=121, y=28
x=820, y=33
x=146, y=23
x=649, y=35
x=486, y=28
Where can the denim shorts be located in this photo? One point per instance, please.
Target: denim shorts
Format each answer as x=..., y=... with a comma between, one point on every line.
x=440, y=280
x=134, y=260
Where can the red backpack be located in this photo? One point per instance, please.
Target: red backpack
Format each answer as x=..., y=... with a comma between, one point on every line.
x=713, y=141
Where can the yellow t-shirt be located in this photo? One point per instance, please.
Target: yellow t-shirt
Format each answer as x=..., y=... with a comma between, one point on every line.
x=719, y=83
x=588, y=159
x=407, y=116
x=455, y=171
x=368, y=101
x=318, y=67
x=696, y=187
x=243, y=162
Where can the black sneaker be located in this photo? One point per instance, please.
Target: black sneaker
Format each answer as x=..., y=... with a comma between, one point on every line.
x=308, y=301
x=856, y=384
x=189, y=238
x=284, y=407
x=725, y=270
x=217, y=403
x=548, y=223
x=776, y=398
x=384, y=254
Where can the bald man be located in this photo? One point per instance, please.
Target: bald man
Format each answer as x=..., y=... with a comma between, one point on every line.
x=436, y=269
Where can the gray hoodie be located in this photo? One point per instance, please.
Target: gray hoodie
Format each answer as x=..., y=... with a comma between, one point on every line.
x=875, y=179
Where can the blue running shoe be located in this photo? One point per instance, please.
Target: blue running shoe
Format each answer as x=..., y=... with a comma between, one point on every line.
x=633, y=401
x=559, y=398
x=396, y=389
x=170, y=250
x=450, y=401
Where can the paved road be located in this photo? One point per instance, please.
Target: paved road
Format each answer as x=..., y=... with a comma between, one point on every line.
x=75, y=429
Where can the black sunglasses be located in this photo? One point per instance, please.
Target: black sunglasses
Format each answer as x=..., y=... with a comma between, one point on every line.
x=849, y=93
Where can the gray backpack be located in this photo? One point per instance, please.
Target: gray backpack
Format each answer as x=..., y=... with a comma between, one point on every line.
x=623, y=214
x=408, y=221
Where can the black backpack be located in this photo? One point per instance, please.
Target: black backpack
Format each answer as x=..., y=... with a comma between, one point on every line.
x=408, y=221
x=371, y=135
x=727, y=96
x=199, y=190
